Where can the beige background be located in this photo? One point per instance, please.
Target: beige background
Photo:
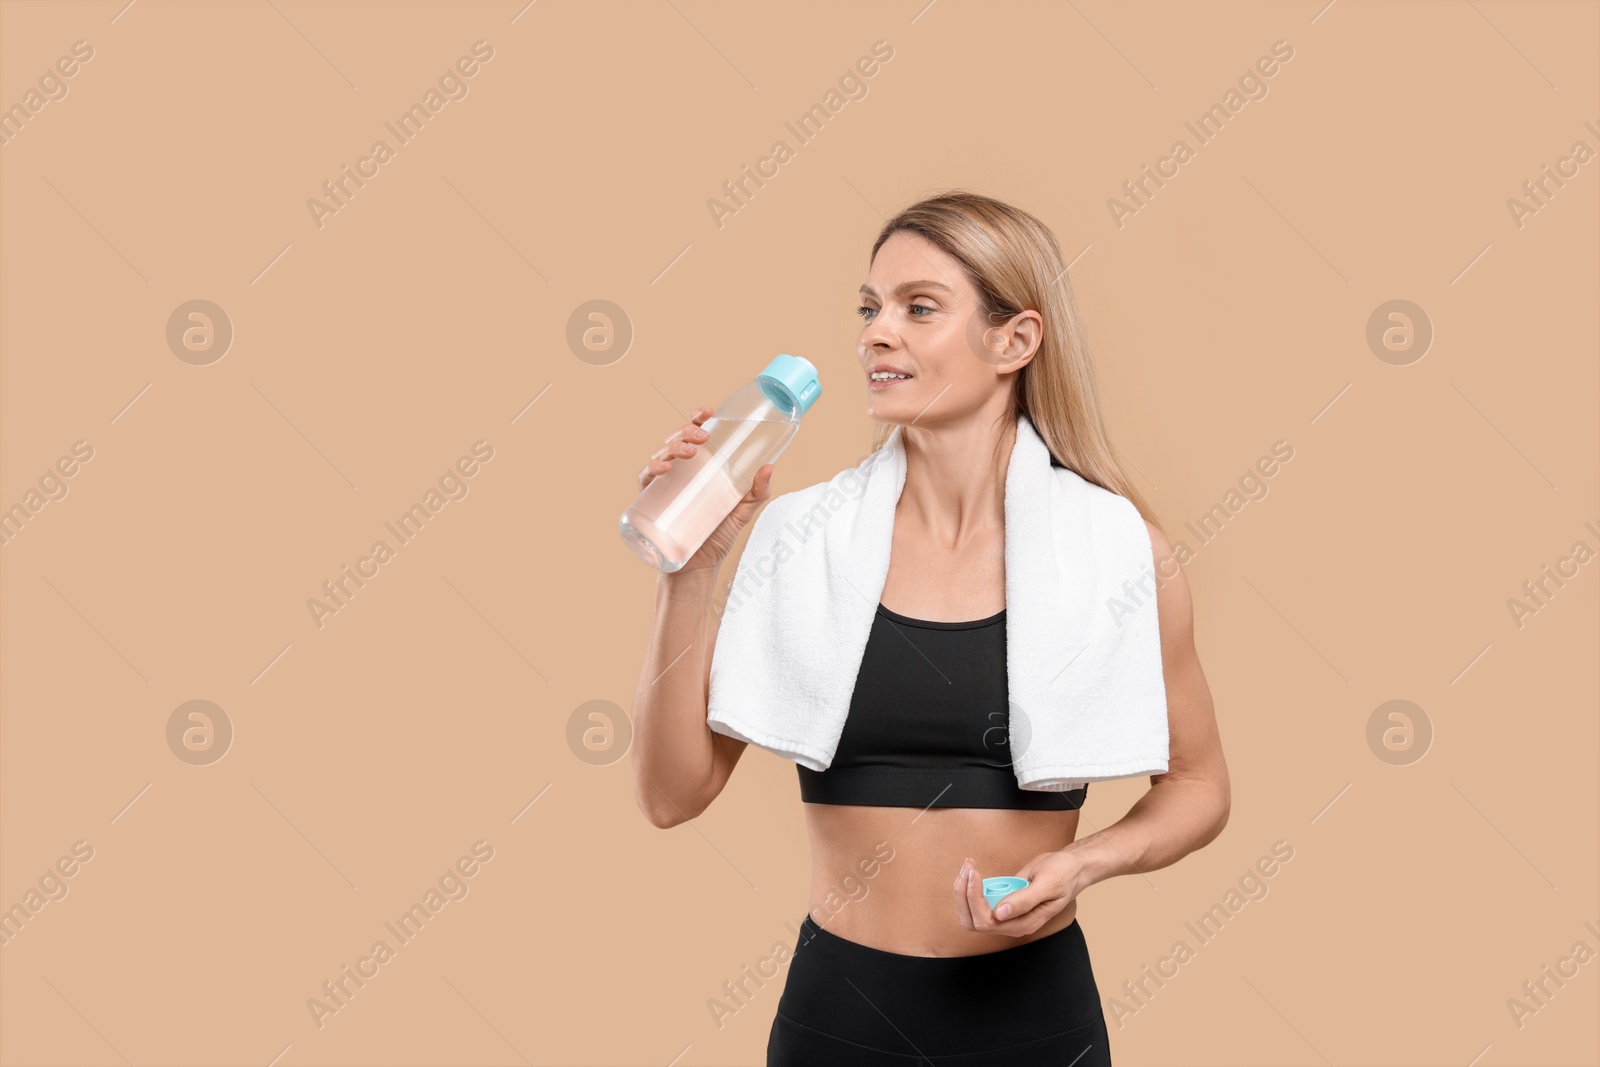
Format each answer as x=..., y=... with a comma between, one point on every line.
x=431, y=312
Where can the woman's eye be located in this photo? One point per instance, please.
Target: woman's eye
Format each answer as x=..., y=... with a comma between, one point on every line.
x=867, y=313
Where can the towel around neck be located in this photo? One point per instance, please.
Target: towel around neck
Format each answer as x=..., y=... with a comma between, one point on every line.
x=1083, y=651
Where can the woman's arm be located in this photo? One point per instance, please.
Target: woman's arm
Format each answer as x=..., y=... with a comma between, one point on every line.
x=1186, y=807
x=679, y=763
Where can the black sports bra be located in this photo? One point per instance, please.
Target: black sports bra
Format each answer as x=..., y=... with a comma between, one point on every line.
x=929, y=723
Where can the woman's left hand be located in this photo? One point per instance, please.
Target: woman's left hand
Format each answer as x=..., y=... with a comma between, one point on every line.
x=1052, y=885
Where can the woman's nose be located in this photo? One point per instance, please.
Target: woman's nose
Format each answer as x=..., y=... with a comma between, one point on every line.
x=876, y=334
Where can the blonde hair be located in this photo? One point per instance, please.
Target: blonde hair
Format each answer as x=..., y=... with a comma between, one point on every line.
x=1014, y=262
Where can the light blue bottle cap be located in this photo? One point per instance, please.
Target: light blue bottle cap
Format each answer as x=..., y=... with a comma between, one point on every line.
x=790, y=382
x=997, y=889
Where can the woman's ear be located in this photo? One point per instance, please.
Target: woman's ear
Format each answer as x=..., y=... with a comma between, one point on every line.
x=1011, y=346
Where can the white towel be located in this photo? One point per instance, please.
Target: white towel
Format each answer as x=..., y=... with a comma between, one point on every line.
x=1083, y=648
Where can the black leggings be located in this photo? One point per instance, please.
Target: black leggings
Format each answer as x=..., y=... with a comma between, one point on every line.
x=850, y=1005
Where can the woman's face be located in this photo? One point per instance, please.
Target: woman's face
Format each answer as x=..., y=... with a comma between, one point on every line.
x=921, y=318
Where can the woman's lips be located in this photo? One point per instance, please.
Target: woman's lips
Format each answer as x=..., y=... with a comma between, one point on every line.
x=884, y=383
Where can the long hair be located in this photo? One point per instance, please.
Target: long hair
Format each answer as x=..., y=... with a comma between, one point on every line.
x=1014, y=262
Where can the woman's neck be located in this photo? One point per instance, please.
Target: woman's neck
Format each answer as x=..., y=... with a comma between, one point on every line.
x=956, y=479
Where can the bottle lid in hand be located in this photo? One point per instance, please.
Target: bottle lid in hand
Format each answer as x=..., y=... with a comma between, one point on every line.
x=997, y=889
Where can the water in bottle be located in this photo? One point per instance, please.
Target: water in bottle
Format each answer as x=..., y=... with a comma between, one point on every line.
x=678, y=510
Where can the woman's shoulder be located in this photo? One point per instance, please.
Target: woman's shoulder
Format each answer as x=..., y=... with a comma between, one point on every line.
x=1108, y=517
x=1092, y=495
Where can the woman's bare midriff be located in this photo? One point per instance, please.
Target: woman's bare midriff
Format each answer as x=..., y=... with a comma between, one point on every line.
x=882, y=876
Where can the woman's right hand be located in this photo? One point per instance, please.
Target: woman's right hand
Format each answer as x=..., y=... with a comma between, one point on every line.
x=683, y=443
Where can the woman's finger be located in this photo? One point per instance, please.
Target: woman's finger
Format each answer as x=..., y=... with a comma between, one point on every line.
x=762, y=483
x=981, y=919
x=679, y=444
x=675, y=446
x=963, y=907
x=671, y=451
x=1017, y=905
x=691, y=430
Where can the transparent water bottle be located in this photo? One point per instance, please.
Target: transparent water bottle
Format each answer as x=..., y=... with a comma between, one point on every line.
x=673, y=515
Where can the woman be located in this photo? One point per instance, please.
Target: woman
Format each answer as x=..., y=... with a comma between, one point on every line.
x=968, y=306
